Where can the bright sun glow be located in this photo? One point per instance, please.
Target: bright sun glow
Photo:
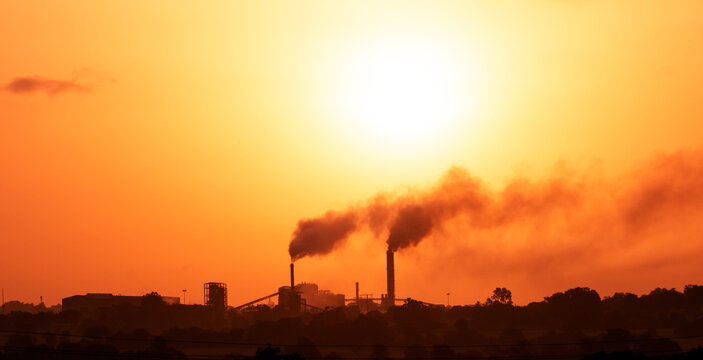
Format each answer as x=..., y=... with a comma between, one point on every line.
x=403, y=93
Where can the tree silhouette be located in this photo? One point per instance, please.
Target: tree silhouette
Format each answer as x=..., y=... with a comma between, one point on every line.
x=501, y=295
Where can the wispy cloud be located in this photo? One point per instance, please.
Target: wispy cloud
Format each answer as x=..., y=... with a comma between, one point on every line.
x=83, y=80
x=23, y=85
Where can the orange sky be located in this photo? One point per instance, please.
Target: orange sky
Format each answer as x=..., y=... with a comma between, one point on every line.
x=188, y=139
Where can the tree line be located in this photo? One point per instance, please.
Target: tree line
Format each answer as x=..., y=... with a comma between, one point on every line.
x=576, y=323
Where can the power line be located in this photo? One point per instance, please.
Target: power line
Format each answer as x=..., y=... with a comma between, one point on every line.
x=244, y=344
x=88, y=352
x=128, y=354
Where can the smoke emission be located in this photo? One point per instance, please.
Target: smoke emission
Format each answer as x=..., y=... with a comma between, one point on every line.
x=409, y=218
x=412, y=225
x=577, y=211
x=321, y=235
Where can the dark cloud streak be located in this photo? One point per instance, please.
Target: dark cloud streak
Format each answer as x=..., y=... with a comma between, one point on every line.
x=25, y=85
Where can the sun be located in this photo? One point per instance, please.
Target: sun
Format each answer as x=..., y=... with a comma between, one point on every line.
x=402, y=92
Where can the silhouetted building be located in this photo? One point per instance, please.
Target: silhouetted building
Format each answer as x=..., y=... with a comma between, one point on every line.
x=216, y=295
x=288, y=299
x=91, y=302
x=366, y=303
x=311, y=294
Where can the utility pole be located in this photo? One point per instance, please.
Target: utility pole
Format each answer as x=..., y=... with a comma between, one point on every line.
x=3, y=301
x=184, y=296
x=448, y=299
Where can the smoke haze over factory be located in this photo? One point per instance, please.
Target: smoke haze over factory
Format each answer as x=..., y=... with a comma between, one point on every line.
x=576, y=209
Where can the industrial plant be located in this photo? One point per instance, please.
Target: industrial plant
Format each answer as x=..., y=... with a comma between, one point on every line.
x=308, y=297
x=303, y=296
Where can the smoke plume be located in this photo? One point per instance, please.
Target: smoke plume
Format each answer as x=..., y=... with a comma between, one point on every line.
x=581, y=207
x=321, y=235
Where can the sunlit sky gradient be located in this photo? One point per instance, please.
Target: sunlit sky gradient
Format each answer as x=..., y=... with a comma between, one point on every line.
x=204, y=130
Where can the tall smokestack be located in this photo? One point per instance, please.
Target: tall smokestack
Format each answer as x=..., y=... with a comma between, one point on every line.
x=357, y=293
x=292, y=277
x=390, y=272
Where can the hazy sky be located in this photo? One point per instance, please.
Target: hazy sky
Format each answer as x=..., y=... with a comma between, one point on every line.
x=158, y=145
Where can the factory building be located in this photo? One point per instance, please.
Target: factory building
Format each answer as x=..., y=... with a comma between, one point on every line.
x=91, y=302
x=215, y=295
x=288, y=300
x=306, y=296
x=312, y=295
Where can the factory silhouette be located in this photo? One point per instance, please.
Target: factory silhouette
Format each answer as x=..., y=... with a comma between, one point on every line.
x=574, y=324
x=307, y=322
x=291, y=298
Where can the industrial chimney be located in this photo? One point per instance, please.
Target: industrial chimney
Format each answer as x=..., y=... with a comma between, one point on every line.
x=357, y=293
x=390, y=272
x=292, y=278
x=288, y=298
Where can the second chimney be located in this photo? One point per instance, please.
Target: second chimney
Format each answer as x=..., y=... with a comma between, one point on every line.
x=357, y=293
x=390, y=273
x=292, y=278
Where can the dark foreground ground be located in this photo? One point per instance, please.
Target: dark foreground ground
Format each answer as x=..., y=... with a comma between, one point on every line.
x=575, y=324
